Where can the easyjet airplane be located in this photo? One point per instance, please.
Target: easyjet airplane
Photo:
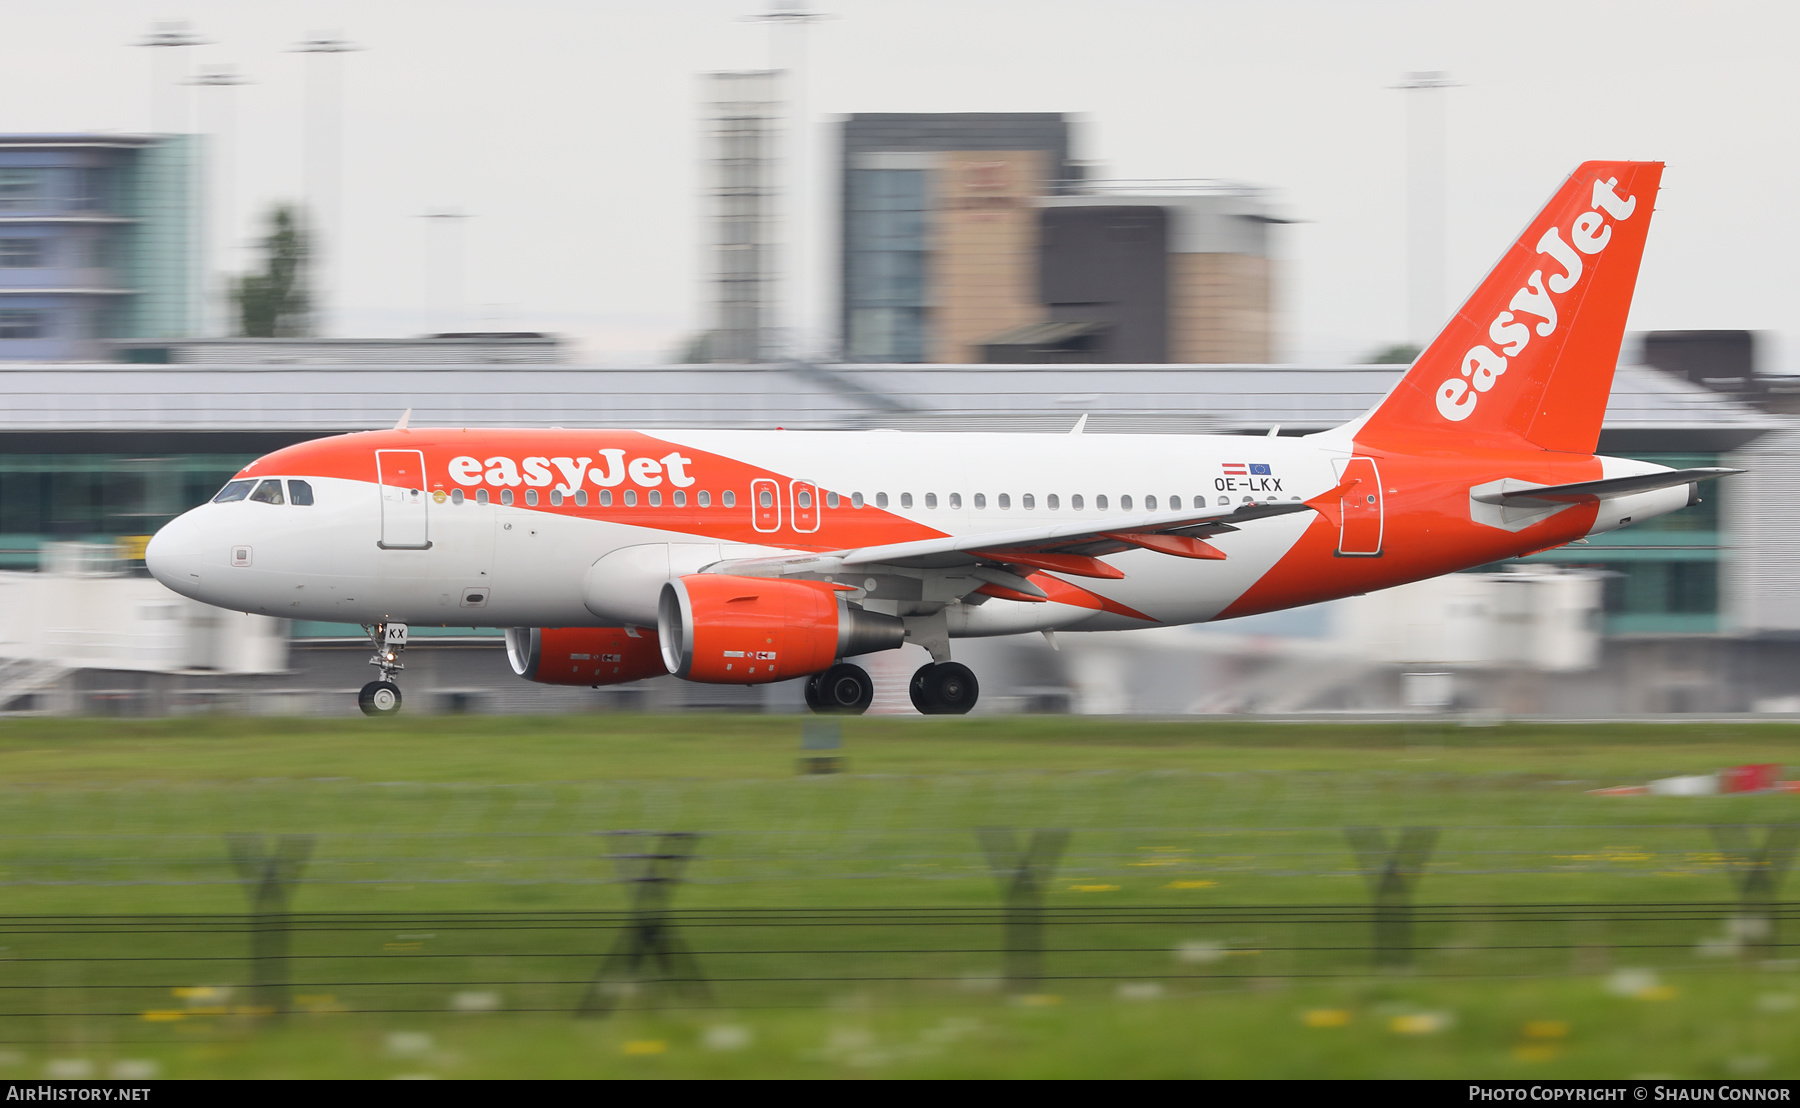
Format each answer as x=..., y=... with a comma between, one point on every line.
x=743, y=557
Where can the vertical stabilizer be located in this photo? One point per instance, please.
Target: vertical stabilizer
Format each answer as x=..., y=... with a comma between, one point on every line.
x=1529, y=358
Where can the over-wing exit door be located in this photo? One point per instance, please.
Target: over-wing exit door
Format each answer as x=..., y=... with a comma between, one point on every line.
x=404, y=522
x=1359, y=533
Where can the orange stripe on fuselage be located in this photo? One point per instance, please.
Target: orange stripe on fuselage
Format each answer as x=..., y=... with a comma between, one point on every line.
x=352, y=458
x=1427, y=529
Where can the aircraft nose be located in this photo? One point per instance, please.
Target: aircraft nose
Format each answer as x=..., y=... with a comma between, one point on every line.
x=173, y=555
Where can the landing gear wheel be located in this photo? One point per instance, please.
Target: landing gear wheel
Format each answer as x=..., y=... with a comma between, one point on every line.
x=379, y=698
x=944, y=689
x=844, y=689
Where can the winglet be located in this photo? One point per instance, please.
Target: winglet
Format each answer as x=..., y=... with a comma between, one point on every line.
x=405, y=418
x=1080, y=424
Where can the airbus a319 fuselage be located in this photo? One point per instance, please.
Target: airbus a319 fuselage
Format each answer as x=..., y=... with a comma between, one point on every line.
x=753, y=556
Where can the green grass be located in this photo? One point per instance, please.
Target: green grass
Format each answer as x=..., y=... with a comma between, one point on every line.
x=423, y=817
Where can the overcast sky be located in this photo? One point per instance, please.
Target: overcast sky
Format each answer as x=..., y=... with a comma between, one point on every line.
x=569, y=132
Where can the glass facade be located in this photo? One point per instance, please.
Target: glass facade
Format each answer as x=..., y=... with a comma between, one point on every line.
x=889, y=240
x=114, y=498
x=1662, y=574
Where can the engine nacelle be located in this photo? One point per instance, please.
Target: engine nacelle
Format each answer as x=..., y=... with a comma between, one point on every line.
x=751, y=630
x=584, y=655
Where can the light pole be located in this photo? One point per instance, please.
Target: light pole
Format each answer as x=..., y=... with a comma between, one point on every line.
x=219, y=246
x=166, y=116
x=1425, y=234
x=324, y=109
x=795, y=325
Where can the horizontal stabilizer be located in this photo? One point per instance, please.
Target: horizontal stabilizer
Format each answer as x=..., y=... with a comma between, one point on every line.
x=1585, y=491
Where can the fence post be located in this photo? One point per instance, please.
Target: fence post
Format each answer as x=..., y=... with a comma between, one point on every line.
x=269, y=877
x=649, y=936
x=1023, y=874
x=1757, y=873
x=1392, y=873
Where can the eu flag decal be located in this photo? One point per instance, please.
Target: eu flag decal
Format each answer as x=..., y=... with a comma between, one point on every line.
x=1258, y=470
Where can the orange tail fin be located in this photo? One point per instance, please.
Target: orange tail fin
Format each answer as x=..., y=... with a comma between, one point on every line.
x=1529, y=358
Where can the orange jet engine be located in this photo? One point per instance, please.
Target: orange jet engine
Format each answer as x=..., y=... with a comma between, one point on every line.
x=584, y=655
x=728, y=630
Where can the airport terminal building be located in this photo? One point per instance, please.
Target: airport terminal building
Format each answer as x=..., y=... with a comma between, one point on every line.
x=94, y=457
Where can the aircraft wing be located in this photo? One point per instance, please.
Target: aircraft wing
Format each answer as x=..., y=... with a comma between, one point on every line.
x=1585, y=491
x=1073, y=548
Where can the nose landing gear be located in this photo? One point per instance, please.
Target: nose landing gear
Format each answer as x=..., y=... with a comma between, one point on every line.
x=381, y=697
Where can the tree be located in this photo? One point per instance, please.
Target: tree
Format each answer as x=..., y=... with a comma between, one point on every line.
x=1401, y=353
x=276, y=302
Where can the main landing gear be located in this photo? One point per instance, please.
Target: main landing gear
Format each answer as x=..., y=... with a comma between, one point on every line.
x=844, y=689
x=939, y=689
x=381, y=697
x=944, y=689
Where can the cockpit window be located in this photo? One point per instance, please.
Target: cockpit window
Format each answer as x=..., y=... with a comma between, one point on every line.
x=300, y=493
x=236, y=490
x=269, y=492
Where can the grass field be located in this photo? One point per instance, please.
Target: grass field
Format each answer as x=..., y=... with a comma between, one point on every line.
x=1207, y=917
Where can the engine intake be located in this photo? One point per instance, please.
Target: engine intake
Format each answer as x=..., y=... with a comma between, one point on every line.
x=727, y=630
x=584, y=655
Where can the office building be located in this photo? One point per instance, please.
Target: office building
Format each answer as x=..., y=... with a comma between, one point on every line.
x=939, y=236
x=1147, y=274
x=975, y=238
x=99, y=238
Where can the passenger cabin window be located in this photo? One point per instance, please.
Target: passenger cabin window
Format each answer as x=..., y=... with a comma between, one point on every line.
x=1100, y=503
x=506, y=497
x=856, y=500
x=581, y=498
x=931, y=500
x=655, y=496
x=531, y=497
x=481, y=496
x=980, y=500
x=606, y=498
x=956, y=500
x=1028, y=502
x=728, y=498
x=268, y=492
x=1150, y=503
x=1051, y=502
x=631, y=498
x=236, y=490
x=556, y=498
x=804, y=498
x=765, y=499
x=1125, y=503
x=704, y=499
x=1175, y=503
x=1075, y=502
x=1224, y=500
x=456, y=496
x=300, y=493
x=831, y=500
x=680, y=498
x=881, y=500
x=905, y=500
